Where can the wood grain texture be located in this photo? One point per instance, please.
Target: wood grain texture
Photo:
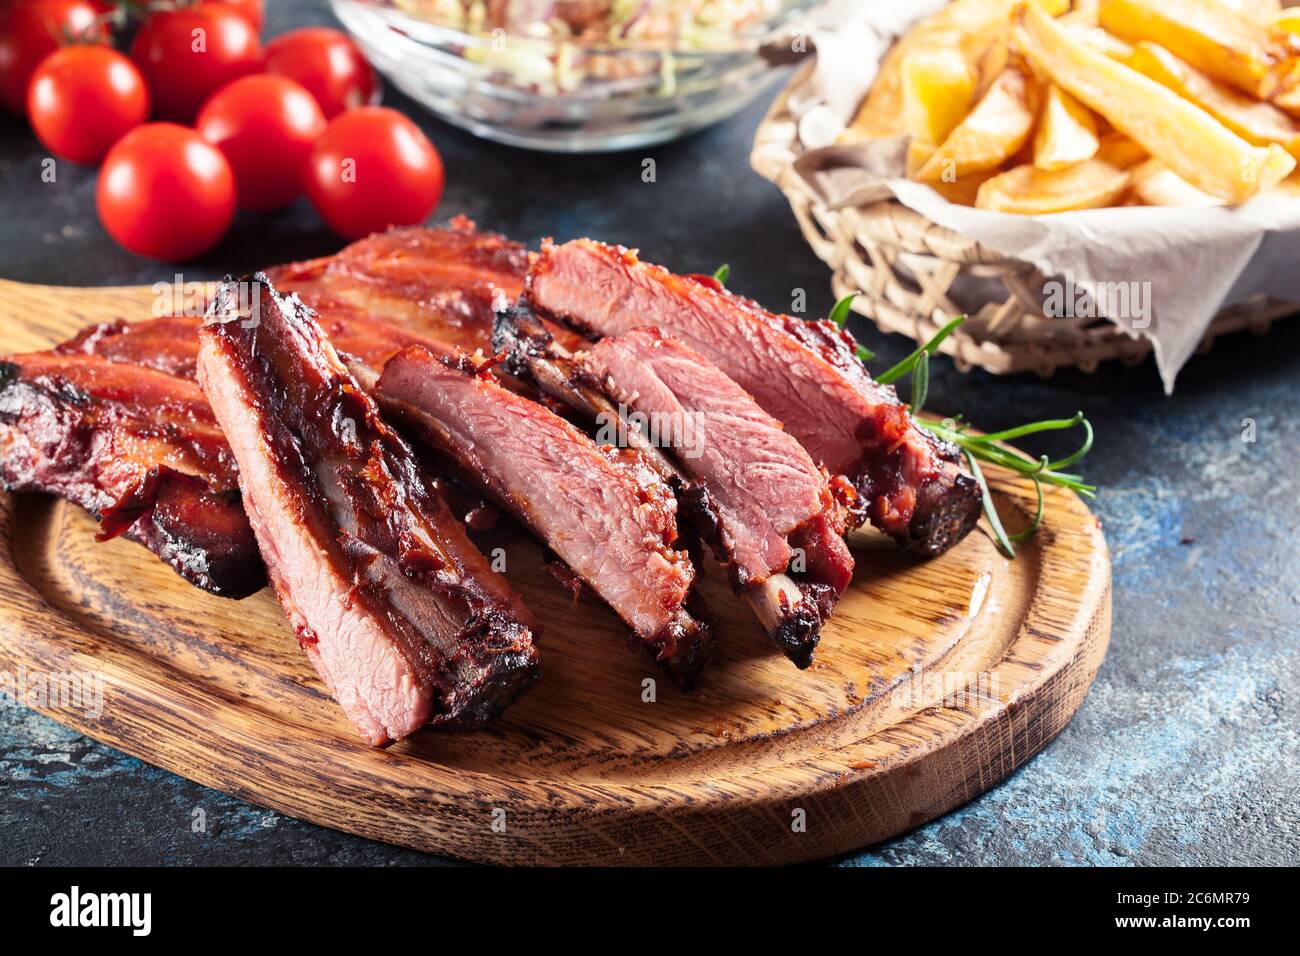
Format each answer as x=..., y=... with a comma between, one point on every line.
x=933, y=682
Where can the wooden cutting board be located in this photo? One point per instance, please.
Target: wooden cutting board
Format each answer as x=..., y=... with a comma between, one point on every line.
x=934, y=681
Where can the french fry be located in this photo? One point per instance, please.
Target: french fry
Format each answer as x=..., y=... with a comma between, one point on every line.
x=1155, y=184
x=1193, y=143
x=1255, y=122
x=964, y=191
x=995, y=130
x=994, y=60
x=1278, y=166
x=1252, y=54
x=1067, y=132
x=918, y=154
x=1263, y=9
x=881, y=114
x=1085, y=14
x=1120, y=151
x=1030, y=191
x=1102, y=42
x=1288, y=188
x=973, y=26
x=971, y=15
x=938, y=89
x=1288, y=101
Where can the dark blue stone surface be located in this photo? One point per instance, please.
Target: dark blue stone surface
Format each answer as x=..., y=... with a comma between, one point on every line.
x=1186, y=750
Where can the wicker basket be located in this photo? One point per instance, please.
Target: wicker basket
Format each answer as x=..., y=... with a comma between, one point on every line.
x=905, y=269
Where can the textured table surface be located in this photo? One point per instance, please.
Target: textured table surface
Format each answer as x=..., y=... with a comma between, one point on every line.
x=1186, y=749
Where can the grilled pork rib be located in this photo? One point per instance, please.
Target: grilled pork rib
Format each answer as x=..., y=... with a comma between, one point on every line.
x=804, y=374
x=137, y=448
x=423, y=280
x=440, y=283
x=416, y=286
x=758, y=496
x=171, y=344
x=607, y=515
x=403, y=618
x=744, y=485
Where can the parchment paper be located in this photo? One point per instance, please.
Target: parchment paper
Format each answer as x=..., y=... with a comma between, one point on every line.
x=1182, y=265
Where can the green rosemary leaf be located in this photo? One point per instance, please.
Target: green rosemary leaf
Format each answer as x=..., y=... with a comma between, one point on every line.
x=840, y=314
x=993, y=448
x=1051, y=424
x=990, y=510
x=1040, y=469
x=920, y=382
x=1038, y=516
x=722, y=273
x=1083, y=449
x=889, y=376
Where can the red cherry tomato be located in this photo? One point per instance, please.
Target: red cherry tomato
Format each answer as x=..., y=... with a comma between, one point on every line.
x=251, y=10
x=188, y=53
x=328, y=63
x=83, y=99
x=371, y=169
x=266, y=127
x=165, y=192
x=30, y=30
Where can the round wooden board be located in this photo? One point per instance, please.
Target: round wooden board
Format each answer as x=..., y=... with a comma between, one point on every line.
x=933, y=682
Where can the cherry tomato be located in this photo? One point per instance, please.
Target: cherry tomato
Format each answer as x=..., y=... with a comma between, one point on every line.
x=371, y=169
x=253, y=11
x=30, y=31
x=188, y=53
x=328, y=63
x=165, y=192
x=83, y=99
x=266, y=127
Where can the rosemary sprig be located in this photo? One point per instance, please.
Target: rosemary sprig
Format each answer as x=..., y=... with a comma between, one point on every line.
x=999, y=532
x=840, y=316
x=722, y=273
x=891, y=375
x=986, y=448
x=1041, y=471
x=977, y=448
x=920, y=382
x=1038, y=516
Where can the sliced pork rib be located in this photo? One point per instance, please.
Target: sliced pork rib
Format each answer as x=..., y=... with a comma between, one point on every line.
x=412, y=286
x=759, y=499
x=405, y=621
x=171, y=344
x=441, y=283
x=137, y=448
x=804, y=374
x=744, y=485
x=607, y=515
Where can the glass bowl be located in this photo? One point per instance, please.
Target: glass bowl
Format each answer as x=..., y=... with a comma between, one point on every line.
x=578, y=75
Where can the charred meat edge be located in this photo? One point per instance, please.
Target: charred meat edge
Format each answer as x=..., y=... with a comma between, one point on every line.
x=403, y=618
x=138, y=450
x=682, y=644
